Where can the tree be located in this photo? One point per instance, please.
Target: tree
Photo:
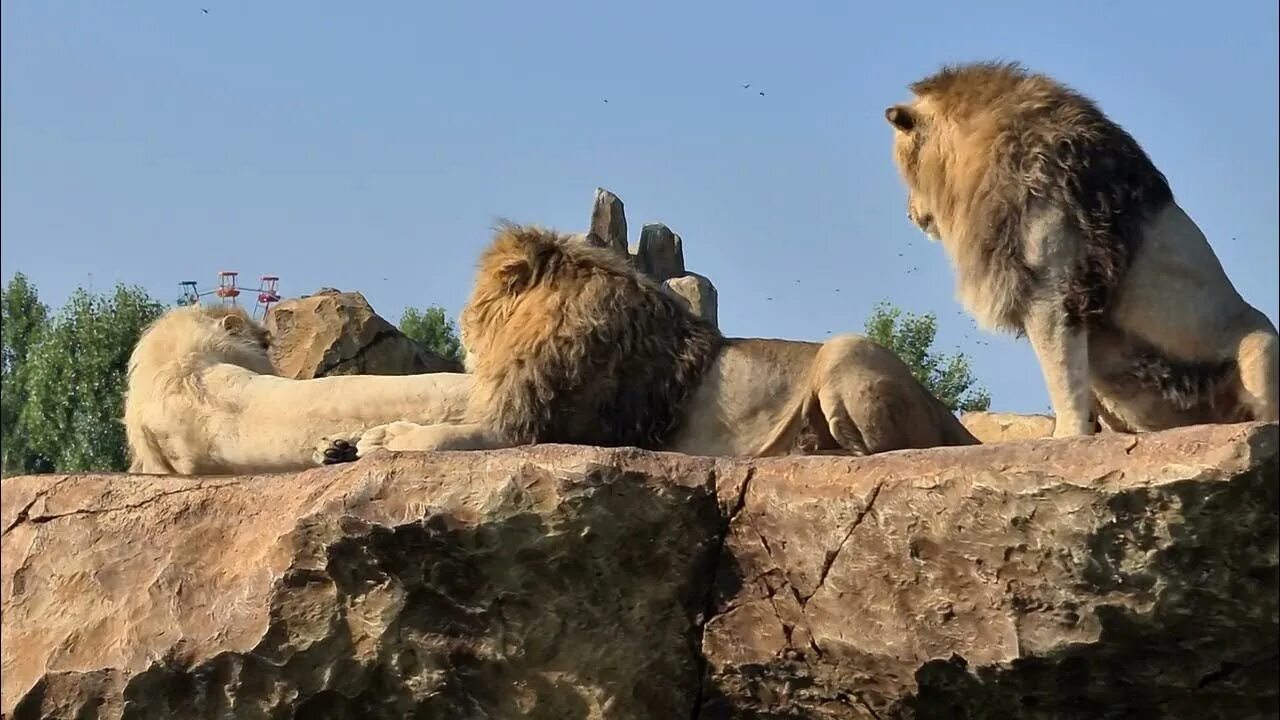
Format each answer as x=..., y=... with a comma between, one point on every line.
x=77, y=376
x=22, y=319
x=949, y=377
x=433, y=330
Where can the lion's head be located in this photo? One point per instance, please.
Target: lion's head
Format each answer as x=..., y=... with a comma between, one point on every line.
x=985, y=148
x=944, y=139
x=570, y=343
x=184, y=339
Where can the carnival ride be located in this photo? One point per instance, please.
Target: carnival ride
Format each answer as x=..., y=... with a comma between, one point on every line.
x=228, y=291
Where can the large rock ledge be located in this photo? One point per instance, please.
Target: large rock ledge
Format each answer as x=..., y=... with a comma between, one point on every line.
x=1112, y=576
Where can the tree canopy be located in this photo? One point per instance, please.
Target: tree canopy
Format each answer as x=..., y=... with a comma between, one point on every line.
x=911, y=337
x=65, y=377
x=22, y=318
x=433, y=330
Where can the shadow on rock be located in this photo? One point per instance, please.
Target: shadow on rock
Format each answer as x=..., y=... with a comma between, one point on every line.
x=1206, y=648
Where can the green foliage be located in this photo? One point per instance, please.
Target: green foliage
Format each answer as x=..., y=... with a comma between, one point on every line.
x=433, y=330
x=76, y=375
x=22, y=319
x=949, y=377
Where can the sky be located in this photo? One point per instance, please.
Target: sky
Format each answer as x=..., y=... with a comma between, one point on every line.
x=372, y=146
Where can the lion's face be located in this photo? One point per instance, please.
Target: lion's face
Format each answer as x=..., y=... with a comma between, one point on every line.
x=910, y=125
x=236, y=338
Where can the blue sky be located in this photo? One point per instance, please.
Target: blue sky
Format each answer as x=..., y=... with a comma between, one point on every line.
x=370, y=146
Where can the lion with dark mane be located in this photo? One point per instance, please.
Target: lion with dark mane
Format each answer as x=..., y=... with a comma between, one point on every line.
x=1061, y=228
x=569, y=343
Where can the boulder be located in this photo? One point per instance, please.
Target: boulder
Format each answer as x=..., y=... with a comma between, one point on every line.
x=995, y=427
x=1111, y=576
x=1105, y=576
x=698, y=294
x=608, y=222
x=660, y=254
x=553, y=582
x=338, y=333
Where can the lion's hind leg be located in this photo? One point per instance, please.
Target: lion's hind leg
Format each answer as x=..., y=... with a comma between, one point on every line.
x=844, y=430
x=1258, y=362
x=833, y=409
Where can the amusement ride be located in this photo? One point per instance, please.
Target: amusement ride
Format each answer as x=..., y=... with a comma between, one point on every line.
x=228, y=291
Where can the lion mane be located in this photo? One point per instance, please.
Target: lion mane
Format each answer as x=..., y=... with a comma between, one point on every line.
x=1061, y=228
x=1002, y=141
x=203, y=398
x=567, y=341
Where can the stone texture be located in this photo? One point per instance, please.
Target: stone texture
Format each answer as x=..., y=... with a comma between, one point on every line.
x=698, y=294
x=554, y=582
x=1113, y=576
x=994, y=427
x=660, y=253
x=608, y=222
x=337, y=333
x=1108, y=576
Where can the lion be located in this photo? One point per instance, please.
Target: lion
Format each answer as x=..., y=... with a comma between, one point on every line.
x=1059, y=227
x=202, y=398
x=569, y=343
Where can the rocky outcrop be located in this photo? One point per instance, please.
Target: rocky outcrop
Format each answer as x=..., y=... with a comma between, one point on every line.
x=1114, y=576
x=995, y=427
x=608, y=222
x=1108, y=576
x=658, y=254
x=337, y=333
x=547, y=583
x=698, y=295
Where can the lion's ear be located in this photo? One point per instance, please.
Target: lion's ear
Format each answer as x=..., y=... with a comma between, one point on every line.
x=232, y=323
x=901, y=117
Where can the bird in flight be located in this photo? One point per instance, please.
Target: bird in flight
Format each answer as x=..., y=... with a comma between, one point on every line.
x=761, y=93
x=744, y=87
x=204, y=10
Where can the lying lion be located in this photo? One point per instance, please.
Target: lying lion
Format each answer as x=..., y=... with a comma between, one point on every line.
x=568, y=343
x=202, y=398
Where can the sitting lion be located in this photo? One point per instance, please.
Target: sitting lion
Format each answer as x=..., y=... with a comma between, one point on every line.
x=1059, y=227
x=569, y=343
x=202, y=398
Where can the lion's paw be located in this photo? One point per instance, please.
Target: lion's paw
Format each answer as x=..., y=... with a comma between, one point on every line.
x=332, y=451
x=391, y=436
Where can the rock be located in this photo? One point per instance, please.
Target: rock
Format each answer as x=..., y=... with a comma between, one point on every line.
x=337, y=333
x=552, y=582
x=608, y=222
x=698, y=294
x=660, y=253
x=1111, y=576
x=1105, y=576
x=993, y=427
